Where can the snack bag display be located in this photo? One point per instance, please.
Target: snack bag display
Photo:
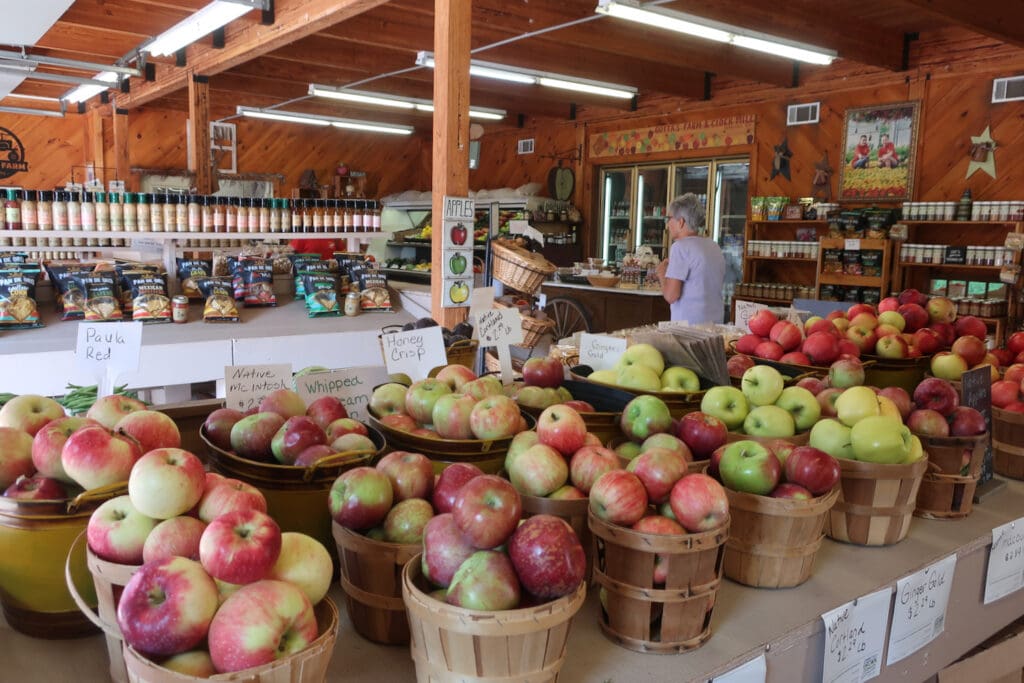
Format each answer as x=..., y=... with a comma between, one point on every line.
x=258, y=280
x=18, y=308
x=321, y=294
x=189, y=272
x=101, y=300
x=148, y=291
x=220, y=304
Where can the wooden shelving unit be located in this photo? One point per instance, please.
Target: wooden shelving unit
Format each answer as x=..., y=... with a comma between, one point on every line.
x=760, y=269
x=880, y=282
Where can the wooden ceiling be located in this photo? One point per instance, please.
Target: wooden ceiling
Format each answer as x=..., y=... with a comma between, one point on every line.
x=365, y=42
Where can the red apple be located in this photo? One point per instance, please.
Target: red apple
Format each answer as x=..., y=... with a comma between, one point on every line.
x=93, y=457
x=347, y=425
x=968, y=325
x=49, y=441
x=847, y=349
x=178, y=536
x=283, y=402
x=659, y=524
x=716, y=457
x=561, y=428
x=449, y=482
x=795, y=358
x=827, y=400
x=485, y=581
x=947, y=333
x=1005, y=392
x=941, y=310
x=927, y=341
x=240, y=547
x=1014, y=373
x=313, y=454
x=912, y=296
x=900, y=397
x=360, y=498
x=889, y=303
x=543, y=372
x=487, y=509
x=580, y=406
x=568, y=492
x=411, y=474
x=793, y=491
x=823, y=325
x=325, y=410
x=748, y=343
x=1004, y=357
x=218, y=427
x=227, y=496
x=856, y=309
x=928, y=422
x=405, y=522
x=814, y=469
x=1015, y=343
x=821, y=348
x=30, y=413
x=966, y=422
x=936, y=394
x=785, y=334
x=699, y=503
x=451, y=416
x=659, y=469
x=151, y=428
x=769, y=350
x=762, y=321
x=495, y=417
x=117, y=531
x=738, y=364
x=862, y=337
x=914, y=315
x=812, y=384
x=455, y=376
x=166, y=482
x=846, y=372
x=619, y=497
x=970, y=348
x=588, y=464
x=445, y=547
x=35, y=488
x=1015, y=407
x=251, y=437
x=15, y=455
x=547, y=556
x=836, y=315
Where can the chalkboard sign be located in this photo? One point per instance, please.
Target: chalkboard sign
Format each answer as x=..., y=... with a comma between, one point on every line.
x=955, y=255
x=976, y=387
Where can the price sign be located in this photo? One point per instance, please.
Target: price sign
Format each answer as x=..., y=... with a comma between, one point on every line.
x=414, y=353
x=919, y=615
x=108, y=350
x=976, y=387
x=599, y=351
x=499, y=327
x=754, y=671
x=793, y=316
x=247, y=385
x=1005, y=561
x=745, y=310
x=851, y=244
x=352, y=386
x=854, y=636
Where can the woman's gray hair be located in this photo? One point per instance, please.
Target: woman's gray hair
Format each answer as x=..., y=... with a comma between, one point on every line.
x=690, y=208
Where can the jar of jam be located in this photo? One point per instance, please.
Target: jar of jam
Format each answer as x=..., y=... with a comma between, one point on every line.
x=179, y=309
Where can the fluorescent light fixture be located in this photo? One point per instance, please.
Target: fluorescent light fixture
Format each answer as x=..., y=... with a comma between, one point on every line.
x=84, y=92
x=398, y=101
x=516, y=74
x=217, y=14
x=32, y=112
x=317, y=120
x=38, y=98
x=699, y=27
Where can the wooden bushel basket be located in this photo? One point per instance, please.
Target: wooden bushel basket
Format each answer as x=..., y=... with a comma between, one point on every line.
x=639, y=616
x=371, y=576
x=452, y=645
x=110, y=579
x=876, y=502
x=1008, y=443
x=572, y=511
x=773, y=541
x=956, y=455
x=945, y=496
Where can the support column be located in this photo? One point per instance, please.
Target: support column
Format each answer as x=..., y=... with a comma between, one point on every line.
x=94, y=146
x=450, y=175
x=121, y=166
x=199, y=125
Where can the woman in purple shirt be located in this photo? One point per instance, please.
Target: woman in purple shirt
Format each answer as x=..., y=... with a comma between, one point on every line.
x=694, y=272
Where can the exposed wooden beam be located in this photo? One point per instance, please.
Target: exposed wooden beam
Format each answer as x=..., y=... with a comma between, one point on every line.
x=997, y=19
x=295, y=19
x=121, y=164
x=94, y=146
x=199, y=123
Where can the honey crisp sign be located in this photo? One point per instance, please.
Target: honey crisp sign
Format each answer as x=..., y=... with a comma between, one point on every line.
x=12, y=154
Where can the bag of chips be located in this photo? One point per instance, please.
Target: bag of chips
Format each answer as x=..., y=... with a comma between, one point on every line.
x=191, y=270
x=321, y=294
x=18, y=308
x=13, y=259
x=307, y=263
x=148, y=291
x=258, y=278
x=124, y=287
x=100, y=292
x=69, y=298
x=373, y=291
x=220, y=304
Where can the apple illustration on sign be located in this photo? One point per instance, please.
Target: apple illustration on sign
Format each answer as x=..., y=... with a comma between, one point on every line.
x=457, y=264
x=459, y=292
x=459, y=234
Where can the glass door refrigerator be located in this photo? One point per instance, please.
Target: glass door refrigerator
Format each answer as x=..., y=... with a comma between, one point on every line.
x=617, y=238
x=651, y=201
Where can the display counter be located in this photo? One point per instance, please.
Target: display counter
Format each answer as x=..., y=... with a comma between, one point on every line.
x=611, y=308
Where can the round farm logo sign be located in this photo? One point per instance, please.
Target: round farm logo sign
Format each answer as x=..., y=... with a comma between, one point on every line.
x=12, y=154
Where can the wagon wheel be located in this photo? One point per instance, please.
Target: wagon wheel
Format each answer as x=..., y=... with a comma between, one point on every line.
x=568, y=316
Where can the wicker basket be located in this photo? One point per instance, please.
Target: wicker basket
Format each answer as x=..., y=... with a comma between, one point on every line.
x=945, y=496
x=492, y=364
x=876, y=502
x=520, y=269
x=1008, y=443
x=773, y=541
x=371, y=576
x=639, y=616
x=451, y=644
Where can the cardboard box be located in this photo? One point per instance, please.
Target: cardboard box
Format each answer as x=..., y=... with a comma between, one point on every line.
x=1000, y=659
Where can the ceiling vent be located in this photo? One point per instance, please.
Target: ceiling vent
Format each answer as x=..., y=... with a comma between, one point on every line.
x=802, y=114
x=525, y=146
x=1008, y=89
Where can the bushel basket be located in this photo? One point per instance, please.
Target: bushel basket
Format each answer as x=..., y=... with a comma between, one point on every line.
x=1008, y=443
x=876, y=502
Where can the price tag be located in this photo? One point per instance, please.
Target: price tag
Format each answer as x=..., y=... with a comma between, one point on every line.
x=793, y=316
x=108, y=350
x=854, y=636
x=919, y=614
x=851, y=244
x=247, y=385
x=745, y=310
x=1005, y=561
x=414, y=353
x=499, y=327
x=599, y=351
x=352, y=386
x=754, y=671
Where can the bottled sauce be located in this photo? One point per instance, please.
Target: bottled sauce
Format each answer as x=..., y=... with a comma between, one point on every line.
x=219, y=211
x=128, y=210
x=337, y=216
x=169, y=213
x=44, y=215
x=357, y=217
x=376, y=218
x=286, y=216
x=12, y=218
x=231, y=214
x=296, y=223
x=156, y=213
x=181, y=214
x=88, y=220
x=102, y=218
x=318, y=218
x=60, y=217
x=367, y=217
x=195, y=214
x=264, y=214
x=74, y=221
x=143, y=213
x=253, y=222
x=206, y=204
x=347, y=224
x=115, y=209
x=275, y=215
x=28, y=215
x=307, y=216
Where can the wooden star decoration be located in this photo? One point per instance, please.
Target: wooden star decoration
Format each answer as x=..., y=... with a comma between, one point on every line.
x=983, y=154
x=821, y=184
x=780, y=164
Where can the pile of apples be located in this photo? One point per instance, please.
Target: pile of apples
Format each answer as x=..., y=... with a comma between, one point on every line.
x=778, y=469
x=455, y=404
x=642, y=367
x=1008, y=391
x=763, y=406
x=542, y=386
x=283, y=429
x=46, y=455
x=220, y=587
x=937, y=411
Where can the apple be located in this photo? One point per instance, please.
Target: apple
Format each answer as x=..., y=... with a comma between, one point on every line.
x=937, y=394
x=748, y=343
x=822, y=325
x=294, y=436
x=619, y=497
x=218, y=426
x=862, y=337
x=856, y=403
x=388, y=399
x=485, y=581
x=914, y=316
x=892, y=319
x=968, y=325
x=948, y=366
x=786, y=334
x=726, y=403
x=487, y=509
x=117, y=531
x=836, y=315
x=738, y=364
x=668, y=442
x=481, y=388
x=927, y=341
x=833, y=437
x=455, y=376
x=94, y=457
x=259, y=624
x=580, y=406
x=889, y=303
x=643, y=416
x=781, y=447
x=846, y=372
x=166, y=482
x=645, y=355
x=48, y=443
x=167, y=606
x=325, y=410
x=568, y=492
x=638, y=377
x=538, y=471
x=678, y=378
x=1015, y=407
x=227, y=496
x=813, y=469
x=966, y=421
x=841, y=325
x=1014, y=373
x=445, y=548
x=769, y=350
x=449, y=482
x=240, y=547
x=108, y=410
x=970, y=348
x=406, y=521
x=769, y=421
x=900, y=397
x=494, y=417
x=928, y=422
x=865, y=319
x=175, y=537
x=588, y=464
x=941, y=309
x=801, y=404
x=35, y=488
x=791, y=491
x=1015, y=343
x=815, y=385
x=749, y=467
x=822, y=348
x=762, y=385
x=360, y=498
x=827, y=401
x=421, y=397
x=195, y=663
x=1005, y=392
x=1003, y=356
x=537, y=398
x=811, y=321
x=543, y=372
x=702, y=433
x=880, y=439
x=411, y=474
x=892, y=346
x=795, y=358
x=30, y=413
x=151, y=428
x=520, y=442
x=699, y=503
x=627, y=450
x=661, y=525
x=993, y=371
x=912, y=296
x=658, y=469
x=343, y=426
x=251, y=437
x=312, y=455
x=947, y=333
x=283, y=402
x=762, y=321
x=547, y=556
x=15, y=455
x=562, y=429
x=350, y=442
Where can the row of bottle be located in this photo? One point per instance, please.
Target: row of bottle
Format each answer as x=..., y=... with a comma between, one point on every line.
x=141, y=212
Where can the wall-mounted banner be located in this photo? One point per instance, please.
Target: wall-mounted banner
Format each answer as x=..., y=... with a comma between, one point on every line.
x=12, y=154
x=723, y=132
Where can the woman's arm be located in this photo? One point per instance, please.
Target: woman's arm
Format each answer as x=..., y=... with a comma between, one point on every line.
x=671, y=289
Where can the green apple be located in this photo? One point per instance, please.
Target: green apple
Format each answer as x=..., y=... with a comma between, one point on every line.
x=881, y=439
x=678, y=378
x=857, y=403
x=604, y=376
x=833, y=437
x=762, y=385
x=802, y=405
x=639, y=377
x=627, y=450
x=728, y=404
x=771, y=421
x=916, y=450
x=563, y=394
x=749, y=467
x=643, y=354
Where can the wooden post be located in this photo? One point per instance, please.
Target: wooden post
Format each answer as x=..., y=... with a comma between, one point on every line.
x=451, y=133
x=199, y=125
x=94, y=146
x=121, y=166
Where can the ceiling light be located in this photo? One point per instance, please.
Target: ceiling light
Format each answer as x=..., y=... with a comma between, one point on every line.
x=399, y=101
x=317, y=120
x=216, y=15
x=516, y=74
x=70, y=63
x=40, y=98
x=699, y=27
x=32, y=112
x=84, y=92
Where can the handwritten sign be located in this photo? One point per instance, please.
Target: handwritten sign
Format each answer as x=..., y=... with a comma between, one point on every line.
x=754, y=671
x=854, y=636
x=793, y=316
x=247, y=385
x=459, y=209
x=352, y=386
x=480, y=301
x=745, y=310
x=414, y=353
x=976, y=387
x=851, y=244
x=499, y=327
x=108, y=350
x=919, y=615
x=599, y=351
x=1005, y=561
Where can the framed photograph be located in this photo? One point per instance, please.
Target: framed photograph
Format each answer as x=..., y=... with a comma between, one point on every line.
x=879, y=151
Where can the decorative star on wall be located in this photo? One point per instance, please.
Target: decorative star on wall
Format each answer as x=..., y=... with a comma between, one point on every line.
x=780, y=164
x=983, y=154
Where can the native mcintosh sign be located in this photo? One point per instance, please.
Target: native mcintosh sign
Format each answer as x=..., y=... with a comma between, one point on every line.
x=12, y=154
